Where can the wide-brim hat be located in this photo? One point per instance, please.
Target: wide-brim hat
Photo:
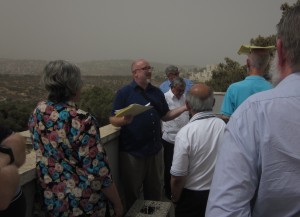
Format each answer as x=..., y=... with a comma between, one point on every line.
x=246, y=49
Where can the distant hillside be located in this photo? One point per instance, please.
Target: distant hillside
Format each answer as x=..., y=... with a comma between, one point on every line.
x=21, y=67
x=99, y=67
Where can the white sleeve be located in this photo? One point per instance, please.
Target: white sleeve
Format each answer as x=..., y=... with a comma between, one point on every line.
x=180, y=162
x=236, y=173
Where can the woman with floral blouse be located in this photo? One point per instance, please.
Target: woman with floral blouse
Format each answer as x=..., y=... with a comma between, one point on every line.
x=72, y=166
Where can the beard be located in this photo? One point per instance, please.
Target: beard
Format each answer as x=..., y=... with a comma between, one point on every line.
x=275, y=71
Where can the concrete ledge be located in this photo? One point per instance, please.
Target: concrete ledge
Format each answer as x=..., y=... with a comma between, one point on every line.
x=109, y=137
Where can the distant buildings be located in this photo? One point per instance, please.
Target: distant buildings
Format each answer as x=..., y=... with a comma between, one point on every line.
x=203, y=75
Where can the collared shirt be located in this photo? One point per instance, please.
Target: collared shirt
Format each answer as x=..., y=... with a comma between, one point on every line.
x=195, y=150
x=261, y=152
x=165, y=86
x=238, y=92
x=171, y=128
x=142, y=137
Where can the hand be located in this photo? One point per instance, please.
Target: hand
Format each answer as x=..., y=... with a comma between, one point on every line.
x=118, y=210
x=128, y=119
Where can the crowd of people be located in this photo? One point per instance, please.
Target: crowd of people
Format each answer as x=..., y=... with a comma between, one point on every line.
x=245, y=163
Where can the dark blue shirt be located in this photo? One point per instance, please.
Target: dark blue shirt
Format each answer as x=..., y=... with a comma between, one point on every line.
x=143, y=136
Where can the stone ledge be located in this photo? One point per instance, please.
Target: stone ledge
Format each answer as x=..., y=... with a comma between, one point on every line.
x=27, y=171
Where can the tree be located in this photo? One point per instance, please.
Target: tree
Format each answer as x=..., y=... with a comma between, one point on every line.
x=286, y=7
x=226, y=74
x=98, y=102
x=263, y=41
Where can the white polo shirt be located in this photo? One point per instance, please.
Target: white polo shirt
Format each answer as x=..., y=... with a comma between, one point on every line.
x=171, y=128
x=195, y=151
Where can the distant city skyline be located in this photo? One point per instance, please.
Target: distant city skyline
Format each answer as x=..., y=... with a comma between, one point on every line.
x=190, y=32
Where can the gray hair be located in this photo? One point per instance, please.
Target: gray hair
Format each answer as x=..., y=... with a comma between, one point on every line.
x=260, y=60
x=62, y=80
x=288, y=30
x=170, y=69
x=201, y=104
x=177, y=81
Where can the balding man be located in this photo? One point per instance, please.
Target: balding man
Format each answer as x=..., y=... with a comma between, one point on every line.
x=257, y=172
x=257, y=63
x=195, y=153
x=140, y=136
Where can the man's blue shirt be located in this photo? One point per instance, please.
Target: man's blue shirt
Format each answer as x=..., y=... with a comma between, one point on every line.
x=238, y=92
x=142, y=137
x=165, y=86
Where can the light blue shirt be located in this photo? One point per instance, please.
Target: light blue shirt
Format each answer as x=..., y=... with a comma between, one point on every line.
x=238, y=92
x=260, y=151
x=165, y=86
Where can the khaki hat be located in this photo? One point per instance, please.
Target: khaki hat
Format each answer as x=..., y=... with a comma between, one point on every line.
x=246, y=49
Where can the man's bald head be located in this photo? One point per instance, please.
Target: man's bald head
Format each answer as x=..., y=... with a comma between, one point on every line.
x=200, y=98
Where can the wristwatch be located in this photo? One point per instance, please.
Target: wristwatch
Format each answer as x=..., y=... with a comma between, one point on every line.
x=7, y=150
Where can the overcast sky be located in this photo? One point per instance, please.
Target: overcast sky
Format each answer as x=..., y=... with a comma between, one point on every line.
x=180, y=32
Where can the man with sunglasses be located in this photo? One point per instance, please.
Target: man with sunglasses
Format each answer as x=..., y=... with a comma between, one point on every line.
x=140, y=142
x=171, y=73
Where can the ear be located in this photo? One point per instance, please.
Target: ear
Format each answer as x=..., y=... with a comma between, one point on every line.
x=187, y=106
x=280, y=53
x=248, y=63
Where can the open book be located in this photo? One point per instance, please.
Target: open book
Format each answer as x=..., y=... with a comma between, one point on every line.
x=133, y=109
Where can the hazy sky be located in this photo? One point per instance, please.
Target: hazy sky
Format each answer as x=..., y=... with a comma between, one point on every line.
x=180, y=32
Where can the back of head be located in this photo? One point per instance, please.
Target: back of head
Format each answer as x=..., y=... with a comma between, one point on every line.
x=200, y=98
x=62, y=80
x=288, y=30
x=259, y=59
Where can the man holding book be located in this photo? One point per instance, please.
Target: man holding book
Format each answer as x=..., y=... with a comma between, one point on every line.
x=140, y=136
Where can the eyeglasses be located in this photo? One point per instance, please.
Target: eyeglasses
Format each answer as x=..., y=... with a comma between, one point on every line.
x=174, y=73
x=146, y=68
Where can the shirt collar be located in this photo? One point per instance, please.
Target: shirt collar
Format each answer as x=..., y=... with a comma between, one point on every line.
x=201, y=115
x=134, y=85
x=254, y=77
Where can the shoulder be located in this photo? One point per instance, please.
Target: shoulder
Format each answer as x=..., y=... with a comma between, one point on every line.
x=187, y=81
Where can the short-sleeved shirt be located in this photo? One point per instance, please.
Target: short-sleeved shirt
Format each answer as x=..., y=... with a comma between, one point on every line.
x=171, y=128
x=165, y=86
x=238, y=92
x=71, y=163
x=195, y=152
x=142, y=137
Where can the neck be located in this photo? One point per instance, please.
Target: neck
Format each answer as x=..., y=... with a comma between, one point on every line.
x=255, y=71
x=143, y=85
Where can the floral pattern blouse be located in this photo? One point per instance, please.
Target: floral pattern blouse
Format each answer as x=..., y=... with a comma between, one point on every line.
x=71, y=163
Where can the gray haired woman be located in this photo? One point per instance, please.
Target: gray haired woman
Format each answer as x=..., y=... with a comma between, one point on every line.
x=73, y=172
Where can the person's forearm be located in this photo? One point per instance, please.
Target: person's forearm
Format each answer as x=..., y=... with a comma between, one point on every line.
x=112, y=194
x=174, y=113
x=18, y=145
x=177, y=184
x=9, y=182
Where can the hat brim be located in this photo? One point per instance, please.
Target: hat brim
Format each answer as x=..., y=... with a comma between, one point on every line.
x=246, y=49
